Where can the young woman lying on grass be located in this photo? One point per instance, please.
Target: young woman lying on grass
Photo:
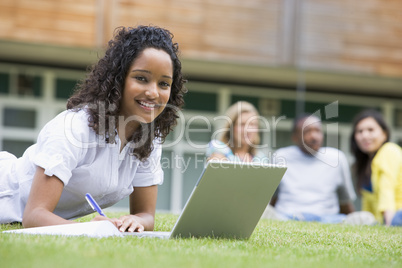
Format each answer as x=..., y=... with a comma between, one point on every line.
x=108, y=141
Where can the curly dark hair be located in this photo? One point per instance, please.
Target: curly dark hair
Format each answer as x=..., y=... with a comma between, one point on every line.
x=103, y=87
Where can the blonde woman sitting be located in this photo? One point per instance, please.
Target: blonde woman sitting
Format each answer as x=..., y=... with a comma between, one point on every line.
x=239, y=137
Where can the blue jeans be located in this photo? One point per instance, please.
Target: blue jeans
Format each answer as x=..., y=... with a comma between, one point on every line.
x=397, y=219
x=335, y=218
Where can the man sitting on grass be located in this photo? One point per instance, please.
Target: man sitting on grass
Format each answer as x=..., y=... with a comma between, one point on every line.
x=317, y=185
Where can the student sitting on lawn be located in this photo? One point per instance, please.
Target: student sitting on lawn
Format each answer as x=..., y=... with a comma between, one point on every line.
x=108, y=142
x=379, y=168
x=239, y=137
x=317, y=185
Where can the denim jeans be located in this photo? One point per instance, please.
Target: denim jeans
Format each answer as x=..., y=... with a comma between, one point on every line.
x=397, y=219
x=335, y=218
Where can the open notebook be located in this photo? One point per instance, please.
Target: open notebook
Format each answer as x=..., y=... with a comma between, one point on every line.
x=227, y=201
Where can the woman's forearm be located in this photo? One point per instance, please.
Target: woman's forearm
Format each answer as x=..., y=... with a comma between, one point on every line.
x=44, y=195
x=41, y=217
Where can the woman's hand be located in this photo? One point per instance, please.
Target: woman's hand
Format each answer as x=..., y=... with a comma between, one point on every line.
x=116, y=222
x=388, y=216
x=142, y=211
x=130, y=223
x=127, y=223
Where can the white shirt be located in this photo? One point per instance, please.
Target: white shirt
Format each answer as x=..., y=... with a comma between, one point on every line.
x=314, y=184
x=69, y=149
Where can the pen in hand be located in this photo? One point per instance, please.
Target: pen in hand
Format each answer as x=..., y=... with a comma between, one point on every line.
x=94, y=205
x=98, y=209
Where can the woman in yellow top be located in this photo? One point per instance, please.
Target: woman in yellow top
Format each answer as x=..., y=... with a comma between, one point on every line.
x=378, y=168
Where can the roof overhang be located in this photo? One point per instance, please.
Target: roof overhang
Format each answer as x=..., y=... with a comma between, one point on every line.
x=224, y=72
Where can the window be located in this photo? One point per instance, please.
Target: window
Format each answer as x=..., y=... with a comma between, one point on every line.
x=14, y=117
x=198, y=131
x=16, y=147
x=164, y=190
x=191, y=167
x=4, y=83
x=252, y=100
x=282, y=138
x=200, y=101
x=64, y=88
x=29, y=85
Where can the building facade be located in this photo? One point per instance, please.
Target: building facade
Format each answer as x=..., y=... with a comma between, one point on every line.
x=283, y=56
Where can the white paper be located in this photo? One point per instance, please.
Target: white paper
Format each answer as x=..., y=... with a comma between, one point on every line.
x=92, y=229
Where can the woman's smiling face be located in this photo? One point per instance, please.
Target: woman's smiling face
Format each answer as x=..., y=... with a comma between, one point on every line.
x=369, y=136
x=147, y=86
x=246, y=129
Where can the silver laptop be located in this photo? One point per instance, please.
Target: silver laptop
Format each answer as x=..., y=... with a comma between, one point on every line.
x=227, y=201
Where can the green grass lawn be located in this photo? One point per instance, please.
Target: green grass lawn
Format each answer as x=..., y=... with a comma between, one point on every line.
x=273, y=244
